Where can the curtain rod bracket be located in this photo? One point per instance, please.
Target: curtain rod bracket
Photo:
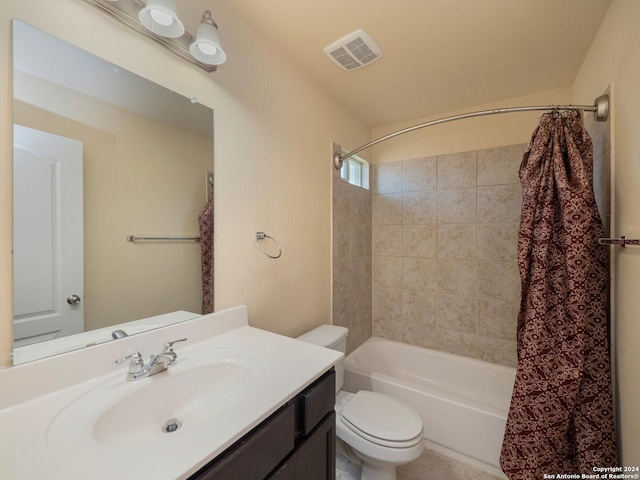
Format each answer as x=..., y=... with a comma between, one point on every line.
x=337, y=159
x=600, y=108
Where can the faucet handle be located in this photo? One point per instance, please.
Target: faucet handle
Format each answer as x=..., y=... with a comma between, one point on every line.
x=136, y=359
x=168, y=346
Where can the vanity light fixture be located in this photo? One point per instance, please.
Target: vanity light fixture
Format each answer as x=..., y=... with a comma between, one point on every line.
x=158, y=20
x=160, y=17
x=206, y=46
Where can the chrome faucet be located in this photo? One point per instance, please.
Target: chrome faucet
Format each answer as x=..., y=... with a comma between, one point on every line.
x=157, y=363
x=116, y=334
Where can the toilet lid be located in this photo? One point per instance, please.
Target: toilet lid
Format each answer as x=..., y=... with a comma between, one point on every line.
x=382, y=417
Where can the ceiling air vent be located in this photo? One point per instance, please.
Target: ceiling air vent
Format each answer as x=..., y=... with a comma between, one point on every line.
x=354, y=51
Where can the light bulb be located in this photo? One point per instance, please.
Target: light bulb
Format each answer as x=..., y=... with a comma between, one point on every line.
x=207, y=49
x=161, y=17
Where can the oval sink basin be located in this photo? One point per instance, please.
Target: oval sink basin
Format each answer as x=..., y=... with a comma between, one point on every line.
x=117, y=413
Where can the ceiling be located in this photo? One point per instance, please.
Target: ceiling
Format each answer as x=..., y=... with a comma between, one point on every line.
x=439, y=55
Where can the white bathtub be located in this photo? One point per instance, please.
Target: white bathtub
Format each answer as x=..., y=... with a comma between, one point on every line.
x=463, y=402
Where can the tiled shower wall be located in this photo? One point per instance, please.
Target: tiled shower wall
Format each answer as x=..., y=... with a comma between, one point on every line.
x=430, y=258
x=444, y=248
x=351, y=260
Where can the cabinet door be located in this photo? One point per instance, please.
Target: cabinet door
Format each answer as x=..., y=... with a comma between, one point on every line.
x=317, y=401
x=315, y=458
x=257, y=454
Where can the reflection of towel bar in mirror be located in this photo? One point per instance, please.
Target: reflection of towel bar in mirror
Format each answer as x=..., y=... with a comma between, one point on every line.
x=133, y=238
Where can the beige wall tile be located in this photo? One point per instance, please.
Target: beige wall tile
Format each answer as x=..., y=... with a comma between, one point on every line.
x=498, y=242
x=457, y=241
x=360, y=240
x=387, y=178
x=419, y=174
x=341, y=311
x=387, y=271
x=418, y=334
x=499, y=204
x=457, y=313
x=387, y=304
x=387, y=240
x=457, y=205
x=365, y=310
x=361, y=305
x=341, y=278
x=419, y=207
x=496, y=350
x=388, y=329
x=360, y=271
x=420, y=273
x=457, y=277
x=341, y=202
x=352, y=260
x=499, y=280
x=419, y=307
x=355, y=338
x=357, y=205
x=457, y=170
x=460, y=343
x=454, y=262
x=387, y=209
x=498, y=318
x=499, y=166
x=341, y=246
x=367, y=207
x=419, y=241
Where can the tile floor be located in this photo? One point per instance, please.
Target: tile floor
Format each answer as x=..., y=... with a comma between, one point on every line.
x=434, y=466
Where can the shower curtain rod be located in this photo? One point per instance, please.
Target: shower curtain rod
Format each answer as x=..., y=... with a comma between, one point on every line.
x=600, y=109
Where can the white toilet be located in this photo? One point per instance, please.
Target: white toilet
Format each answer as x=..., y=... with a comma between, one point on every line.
x=381, y=431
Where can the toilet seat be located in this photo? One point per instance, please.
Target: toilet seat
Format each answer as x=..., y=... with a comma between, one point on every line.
x=380, y=419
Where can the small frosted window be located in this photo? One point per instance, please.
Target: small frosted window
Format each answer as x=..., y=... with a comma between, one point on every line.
x=355, y=170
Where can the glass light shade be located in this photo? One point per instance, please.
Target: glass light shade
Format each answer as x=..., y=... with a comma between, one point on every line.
x=161, y=18
x=206, y=47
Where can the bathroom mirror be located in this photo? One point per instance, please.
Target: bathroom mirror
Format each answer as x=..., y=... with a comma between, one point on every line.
x=101, y=154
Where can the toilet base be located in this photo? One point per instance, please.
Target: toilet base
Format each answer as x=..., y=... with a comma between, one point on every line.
x=378, y=472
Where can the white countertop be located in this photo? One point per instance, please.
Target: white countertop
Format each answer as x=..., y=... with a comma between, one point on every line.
x=31, y=449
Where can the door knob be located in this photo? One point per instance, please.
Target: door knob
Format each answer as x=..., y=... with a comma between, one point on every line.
x=73, y=299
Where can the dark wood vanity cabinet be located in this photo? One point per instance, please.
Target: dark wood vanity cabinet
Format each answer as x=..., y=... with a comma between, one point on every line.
x=295, y=443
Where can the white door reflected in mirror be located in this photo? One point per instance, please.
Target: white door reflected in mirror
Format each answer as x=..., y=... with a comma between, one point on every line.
x=48, y=236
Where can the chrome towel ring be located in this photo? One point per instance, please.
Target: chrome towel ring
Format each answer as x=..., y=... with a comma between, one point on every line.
x=262, y=236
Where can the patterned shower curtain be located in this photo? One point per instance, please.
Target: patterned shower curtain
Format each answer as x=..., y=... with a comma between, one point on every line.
x=561, y=415
x=205, y=219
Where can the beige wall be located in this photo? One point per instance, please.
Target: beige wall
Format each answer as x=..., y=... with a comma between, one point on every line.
x=273, y=134
x=614, y=59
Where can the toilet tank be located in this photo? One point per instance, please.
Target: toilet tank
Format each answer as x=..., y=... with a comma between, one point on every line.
x=334, y=338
